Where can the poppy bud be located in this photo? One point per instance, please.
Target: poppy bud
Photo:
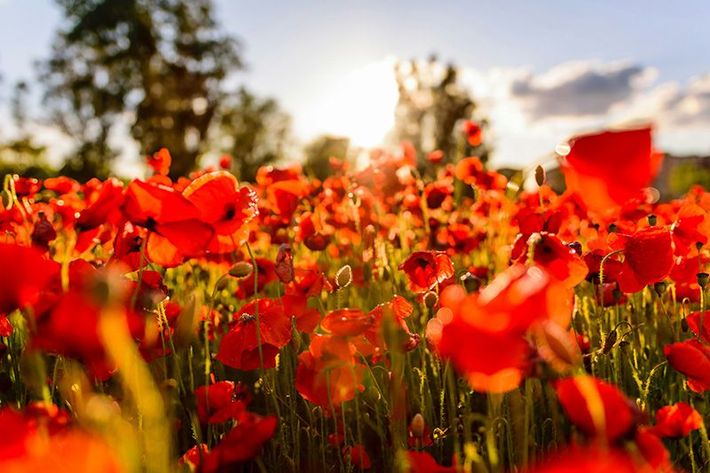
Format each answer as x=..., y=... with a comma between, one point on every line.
x=660, y=287
x=540, y=175
x=344, y=276
x=241, y=269
x=43, y=232
x=431, y=299
x=417, y=425
x=702, y=279
x=652, y=219
x=576, y=247
x=617, y=294
x=470, y=282
x=609, y=342
x=684, y=325
x=284, y=264
x=6, y=199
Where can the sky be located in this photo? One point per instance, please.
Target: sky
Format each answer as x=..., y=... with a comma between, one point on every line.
x=541, y=71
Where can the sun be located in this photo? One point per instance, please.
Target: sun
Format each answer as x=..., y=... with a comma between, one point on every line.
x=361, y=104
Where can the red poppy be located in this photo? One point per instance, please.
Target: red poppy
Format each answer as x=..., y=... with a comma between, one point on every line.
x=329, y=373
x=677, y=420
x=192, y=457
x=242, y=443
x=548, y=251
x=532, y=220
x=518, y=297
x=225, y=162
x=105, y=207
x=398, y=309
x=691, y=358
x=426, y=269
x=490, y=362
x=61, y=185
x=296, y=306
x=36, y=439
x=69, y=324
x=595, y=459
x=267, y=175
x=26, y=186
x=648, y=257
x=265, y=274
x=695, y=320
x=217, y=403
x=239, y=348
x=223, y=205
x=609, y=168
x=284, y=197
x=347, y=322
x=27, y=274
x=308, y=282
x=435, y=157
x=596, y=407
x=173, y=222
x=652, y=450
x=473, y=132
x=691, y=227
x=470, y=171
x=160, y=161
x=358, y=456
x=612, y=265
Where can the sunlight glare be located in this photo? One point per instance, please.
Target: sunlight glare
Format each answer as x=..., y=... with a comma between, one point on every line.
x=361, y=106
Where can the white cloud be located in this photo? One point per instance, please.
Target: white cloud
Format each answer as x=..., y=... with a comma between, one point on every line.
x=530, y=113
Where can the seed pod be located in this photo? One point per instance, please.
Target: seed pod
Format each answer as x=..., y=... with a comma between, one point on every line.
x=540, y=175
x=660, y=287
x=470, y=282
x=702, y=279
x=612, y=228
x=344, y=276
x=241, y=269
x=609, y=341
x=652, y=219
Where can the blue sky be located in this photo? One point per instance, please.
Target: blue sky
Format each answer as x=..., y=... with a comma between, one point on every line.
x=542, y=70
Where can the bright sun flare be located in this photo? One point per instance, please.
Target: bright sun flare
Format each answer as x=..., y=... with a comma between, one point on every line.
x=361, y=105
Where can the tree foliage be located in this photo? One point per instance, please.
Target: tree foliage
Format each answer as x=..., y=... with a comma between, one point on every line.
x=154, y=67
x=254, y=130
x=431, y=107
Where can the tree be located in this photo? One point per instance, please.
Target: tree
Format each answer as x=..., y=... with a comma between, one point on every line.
x=432, y=103
x=157, y=66
x=254, y=130
x=319, y=151
x=20, y=153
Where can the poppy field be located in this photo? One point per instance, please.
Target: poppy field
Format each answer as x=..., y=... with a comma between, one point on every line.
x=443, y=318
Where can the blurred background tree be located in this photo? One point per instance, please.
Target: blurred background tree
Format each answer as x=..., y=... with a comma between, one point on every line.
x=431, y=109
x=155, y=67
x=20, y=153
x=317, y=154
x=253, y=129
